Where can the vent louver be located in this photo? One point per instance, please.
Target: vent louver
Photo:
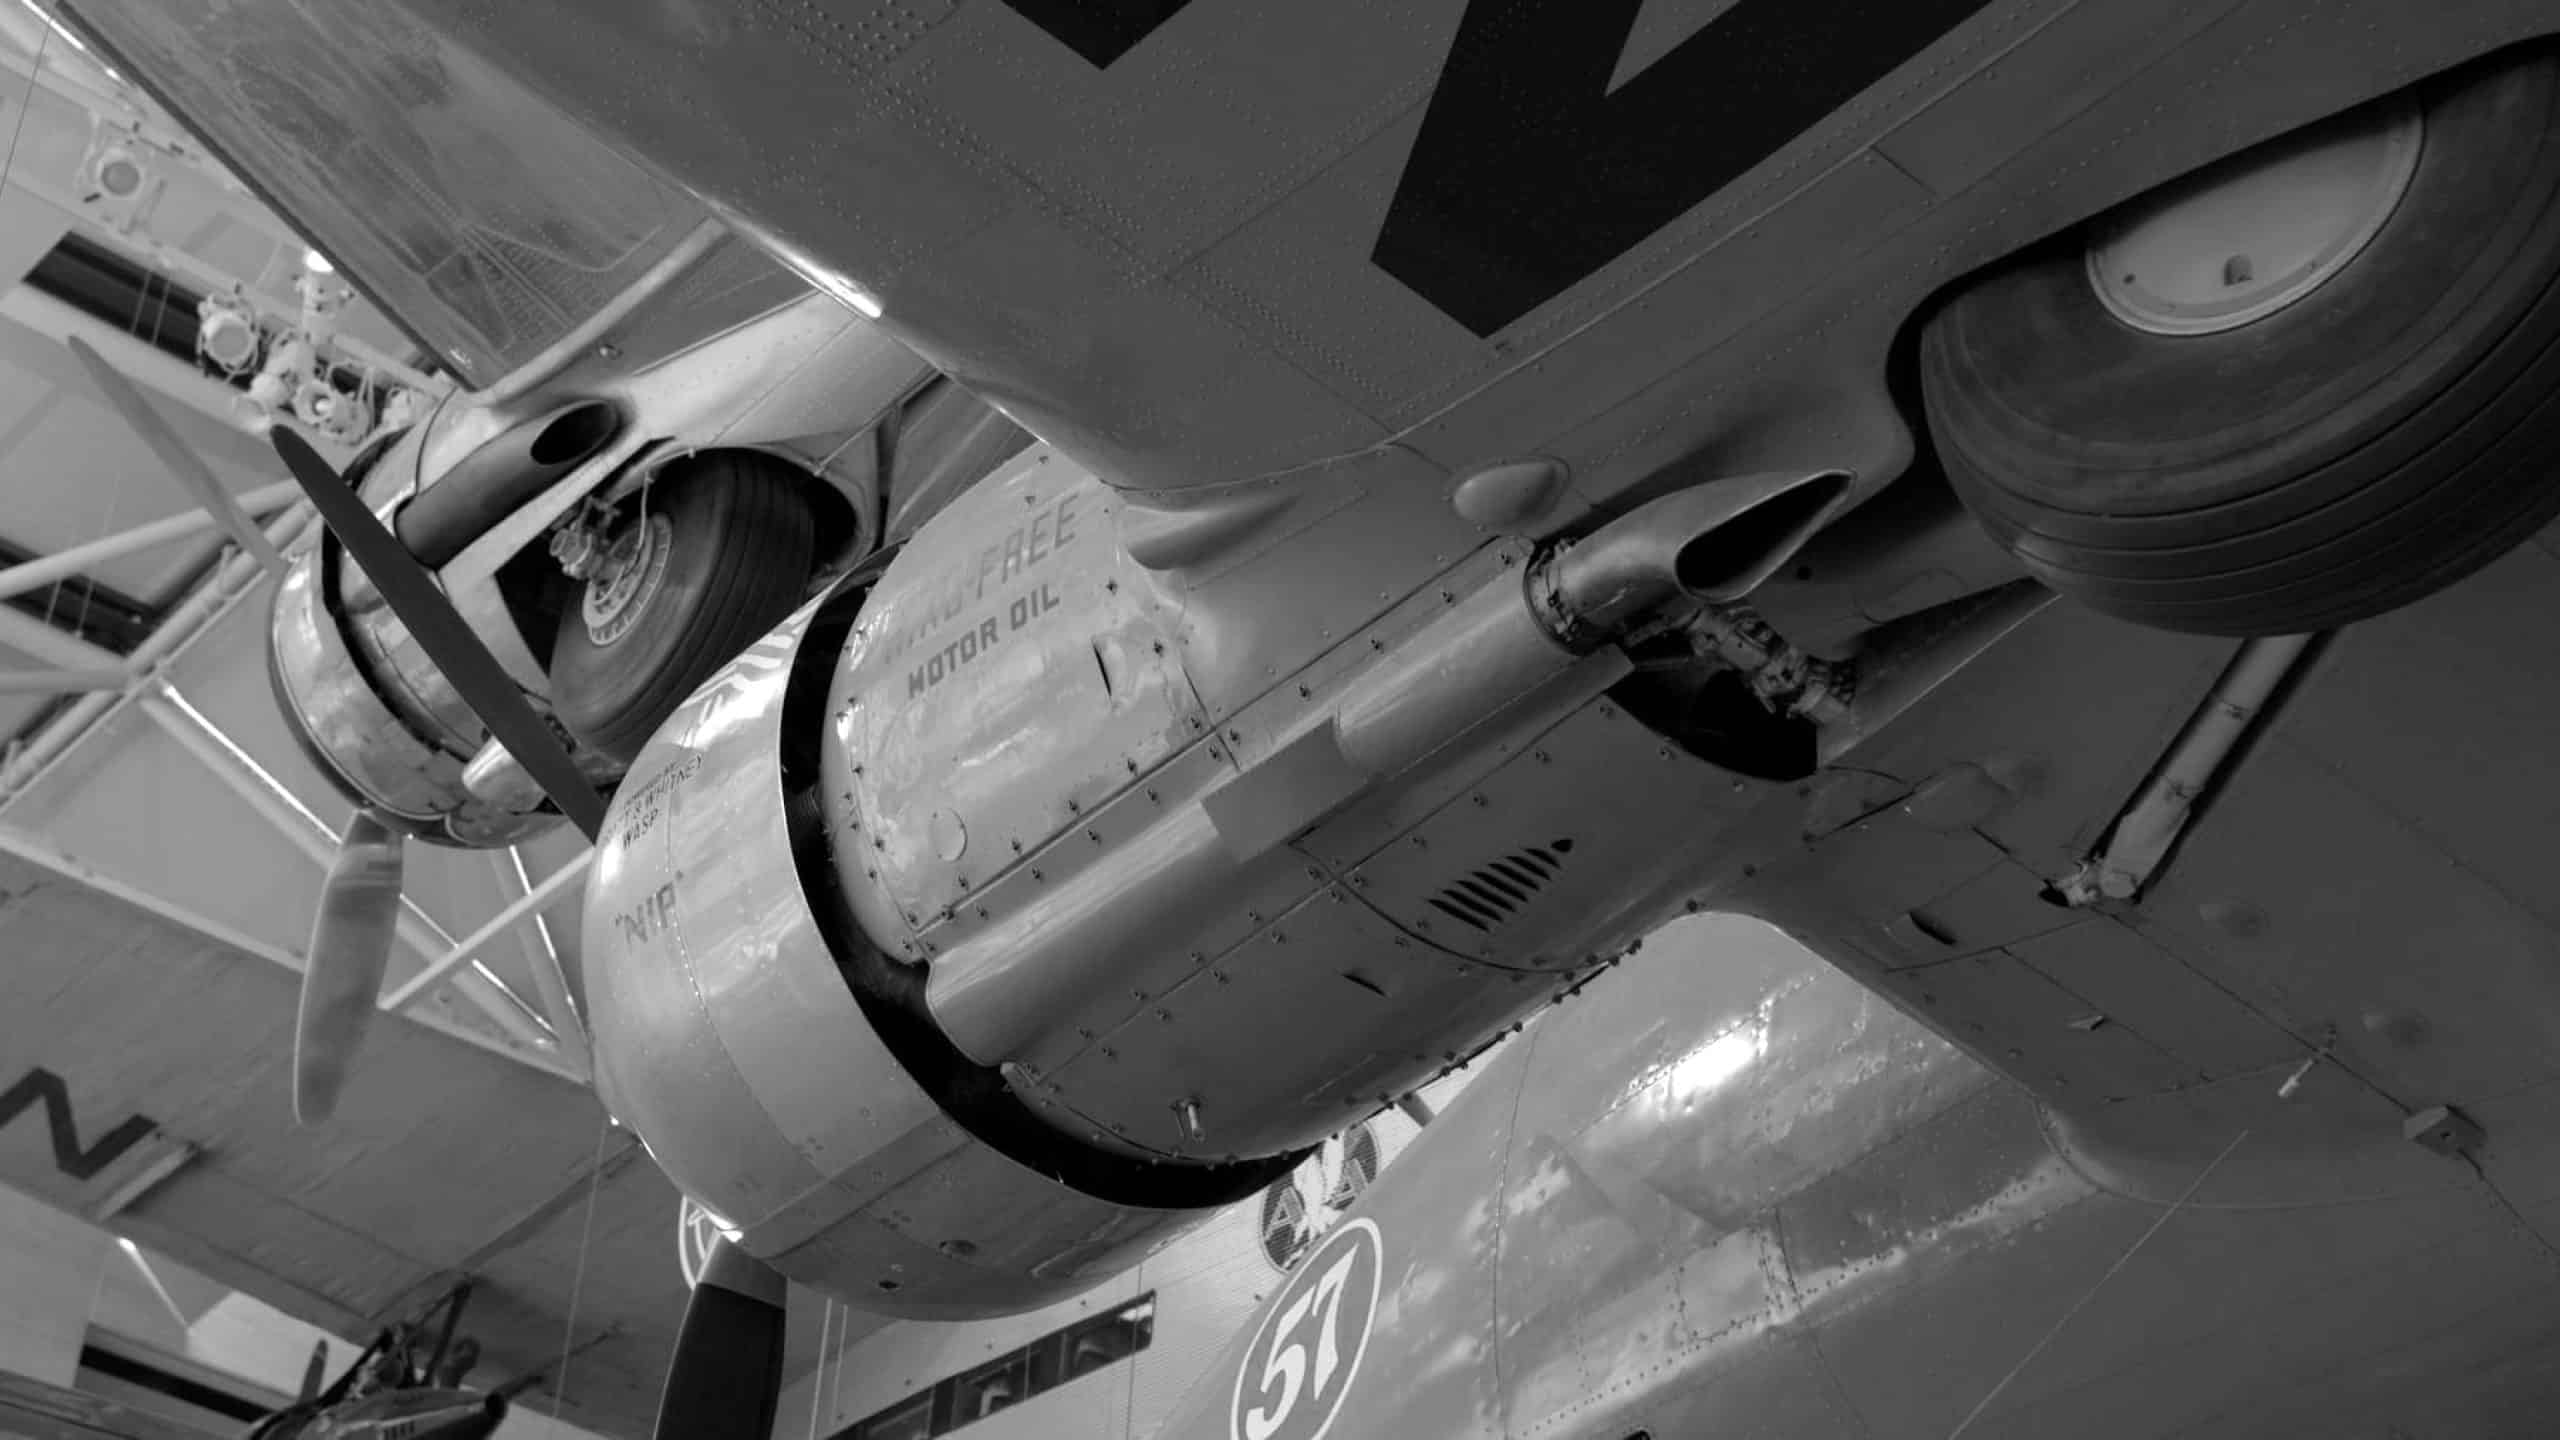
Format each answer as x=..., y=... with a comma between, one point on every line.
x=1494, y=892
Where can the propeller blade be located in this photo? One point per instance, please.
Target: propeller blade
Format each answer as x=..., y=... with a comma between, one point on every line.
x=315, y=1373
x=342, y=975
x=725, y=1382
x=443, y=634
x=182, y=461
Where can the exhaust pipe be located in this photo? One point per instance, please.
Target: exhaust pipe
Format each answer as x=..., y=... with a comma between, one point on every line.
x=1711, y=543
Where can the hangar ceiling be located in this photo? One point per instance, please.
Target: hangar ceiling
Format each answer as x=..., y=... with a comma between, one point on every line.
x=162, y=841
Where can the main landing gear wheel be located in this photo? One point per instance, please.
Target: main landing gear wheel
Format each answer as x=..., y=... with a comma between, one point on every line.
x=2304, y=387
x=718, y=554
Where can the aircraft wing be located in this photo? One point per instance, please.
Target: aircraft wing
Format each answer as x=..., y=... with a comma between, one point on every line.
x=2279, y=883
x=481, y=220
x=1212, y=245
x=1209, y=244
x=144, y=1084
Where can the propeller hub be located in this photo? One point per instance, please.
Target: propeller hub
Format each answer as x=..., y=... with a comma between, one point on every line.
x=627, y=579
x=353, y=735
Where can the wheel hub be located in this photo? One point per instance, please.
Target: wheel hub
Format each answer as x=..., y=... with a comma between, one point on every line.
x=2239, y=243
x=621, y=589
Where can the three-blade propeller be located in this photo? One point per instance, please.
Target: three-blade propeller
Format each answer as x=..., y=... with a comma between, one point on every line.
x=342, y=974
x=360, y=904
x=725, y=1380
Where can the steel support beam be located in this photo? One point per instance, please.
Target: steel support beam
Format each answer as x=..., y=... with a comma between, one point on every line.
x=63, y=564
x=468, y=948
x=32, y=637
x=62, y=682
x=18, y=843
x=307, y=832
x=234, y=580
x=542, y=959
x=176, y=456
x=167, y=374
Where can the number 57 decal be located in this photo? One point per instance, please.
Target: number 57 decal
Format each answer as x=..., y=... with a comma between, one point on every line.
x=1293, y=1377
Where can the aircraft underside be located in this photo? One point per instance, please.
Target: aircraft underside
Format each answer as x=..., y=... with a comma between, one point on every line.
x=1730, y=1188
x=2047, y=504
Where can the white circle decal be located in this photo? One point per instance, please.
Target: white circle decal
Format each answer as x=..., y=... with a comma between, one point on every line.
x=1294, y=1376
x=697, y=1231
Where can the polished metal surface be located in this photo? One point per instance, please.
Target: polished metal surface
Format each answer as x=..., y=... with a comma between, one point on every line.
x=1153, y=312
x=407, y=681
x=754, y=376
x=1104, y=886
x=727, y=1037
x=2239, y=243
x=1713, y=542
x=1012, y=672
x=1726, y=1190
x=358, y=740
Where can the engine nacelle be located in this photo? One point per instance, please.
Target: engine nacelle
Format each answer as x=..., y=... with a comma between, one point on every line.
x=358, y=695
x=758, y=1043
x=960, y=942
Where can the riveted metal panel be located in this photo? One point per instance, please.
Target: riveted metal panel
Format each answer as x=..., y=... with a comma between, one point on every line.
x=1266, y=724
x=1901, y=866
x=1372, y=822
x=727, y=1036
x=2033, y=1028
x=1038, y=871
x=724, y=1034
x=1328, y=1011
x=2136, y=984
x=1533, y=865
x=973, y=1237
x=977, y=1208
x=1360, y=539
x=2004, y=906
x=1012, y=670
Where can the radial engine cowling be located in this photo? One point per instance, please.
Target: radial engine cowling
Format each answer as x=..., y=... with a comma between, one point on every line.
x=373, y=716
x=814, y=1111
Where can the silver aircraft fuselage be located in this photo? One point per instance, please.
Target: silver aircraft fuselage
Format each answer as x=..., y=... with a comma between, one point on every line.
x=1727, y=1191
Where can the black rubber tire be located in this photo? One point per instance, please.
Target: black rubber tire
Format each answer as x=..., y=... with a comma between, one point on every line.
x=740, y=545
x=2384, y=436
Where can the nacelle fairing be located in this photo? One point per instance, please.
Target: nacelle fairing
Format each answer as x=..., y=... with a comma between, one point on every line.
x=971, y=935
x=778, y=1065
x=373, y=715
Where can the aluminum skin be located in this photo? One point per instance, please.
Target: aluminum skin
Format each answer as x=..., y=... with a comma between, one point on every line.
x=727, y=1037
x=1727, y=1190
x=1036, y=849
